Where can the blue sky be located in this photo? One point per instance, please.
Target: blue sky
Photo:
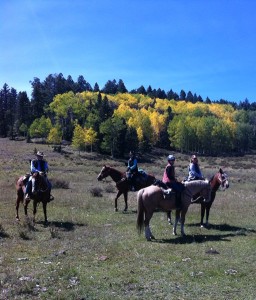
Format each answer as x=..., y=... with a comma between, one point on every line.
x=207, y=47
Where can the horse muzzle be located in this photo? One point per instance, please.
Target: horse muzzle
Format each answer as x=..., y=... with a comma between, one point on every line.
x=99, y=178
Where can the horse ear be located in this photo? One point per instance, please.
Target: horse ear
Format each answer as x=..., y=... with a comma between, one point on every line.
x=221, y=172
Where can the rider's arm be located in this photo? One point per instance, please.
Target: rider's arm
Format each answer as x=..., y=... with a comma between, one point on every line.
x=134, y=166
x=33, y=168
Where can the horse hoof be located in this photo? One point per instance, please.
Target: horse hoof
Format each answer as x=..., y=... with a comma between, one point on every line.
x=116, y=209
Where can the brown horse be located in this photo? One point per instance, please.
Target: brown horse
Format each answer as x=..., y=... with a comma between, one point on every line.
x=122, y=183
x=41, y=194
x=151, y=198
x=219, y=180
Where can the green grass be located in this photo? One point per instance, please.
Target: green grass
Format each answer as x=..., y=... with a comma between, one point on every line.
x=88, y=251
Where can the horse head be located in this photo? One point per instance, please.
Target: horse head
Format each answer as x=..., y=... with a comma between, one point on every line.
x=103, y=173
x=222, y=178
x=40, y=184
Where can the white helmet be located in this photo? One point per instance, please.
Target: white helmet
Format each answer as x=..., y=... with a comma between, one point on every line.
x=171, y=157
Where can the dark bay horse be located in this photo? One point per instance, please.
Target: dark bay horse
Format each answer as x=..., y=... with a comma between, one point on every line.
x=151, y=198
x=219, y=180
x=122, y=184
x=41, y=194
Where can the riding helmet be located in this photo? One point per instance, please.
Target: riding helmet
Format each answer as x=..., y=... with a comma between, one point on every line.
x=171, y=157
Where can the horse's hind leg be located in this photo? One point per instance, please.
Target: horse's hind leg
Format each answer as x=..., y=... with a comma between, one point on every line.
x=148, y=234
x=177, y=218
x=17, y=208
x=169, y=218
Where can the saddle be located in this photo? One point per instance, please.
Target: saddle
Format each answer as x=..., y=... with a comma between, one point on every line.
x=168, y=193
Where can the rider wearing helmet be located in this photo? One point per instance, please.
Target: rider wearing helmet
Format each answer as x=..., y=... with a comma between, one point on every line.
x=170, y=180
x=132, y=170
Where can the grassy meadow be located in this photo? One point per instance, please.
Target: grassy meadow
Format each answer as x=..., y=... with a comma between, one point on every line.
x=88, y=251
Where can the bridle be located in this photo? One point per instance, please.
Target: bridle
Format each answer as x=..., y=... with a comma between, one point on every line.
x=223, y=180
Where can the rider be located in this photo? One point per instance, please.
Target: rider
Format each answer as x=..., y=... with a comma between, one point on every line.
x=132, y=170
x=194, y=172
x=170, y=180
x=38, y=165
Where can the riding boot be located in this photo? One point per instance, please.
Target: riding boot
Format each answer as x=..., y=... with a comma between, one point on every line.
x=178, y=200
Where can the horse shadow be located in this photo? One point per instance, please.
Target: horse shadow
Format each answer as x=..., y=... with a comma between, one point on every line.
x=188, y=239
x=203, y=238
x=65, y=226
x=225, y=227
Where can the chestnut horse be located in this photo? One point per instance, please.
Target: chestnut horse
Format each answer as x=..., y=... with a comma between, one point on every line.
x=220, y=179
x=151, y=198
x=122, y=183
x=41, y=194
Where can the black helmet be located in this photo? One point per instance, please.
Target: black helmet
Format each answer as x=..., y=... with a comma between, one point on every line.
x=171, y=157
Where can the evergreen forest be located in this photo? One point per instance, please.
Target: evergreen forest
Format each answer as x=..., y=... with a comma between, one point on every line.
x=113, y=120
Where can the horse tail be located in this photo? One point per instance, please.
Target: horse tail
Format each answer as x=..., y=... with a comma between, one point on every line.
x=140, y=211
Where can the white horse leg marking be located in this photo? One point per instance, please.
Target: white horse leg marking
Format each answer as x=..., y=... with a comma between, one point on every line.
x=174, y=232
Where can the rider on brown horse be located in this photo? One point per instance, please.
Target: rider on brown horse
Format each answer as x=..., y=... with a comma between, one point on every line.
x=132, y=170
x=37, y=166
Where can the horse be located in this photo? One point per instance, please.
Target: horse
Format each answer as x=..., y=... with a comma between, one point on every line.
x=40, y=194
x=152, y=198
x=122, y=183
x=220, y=179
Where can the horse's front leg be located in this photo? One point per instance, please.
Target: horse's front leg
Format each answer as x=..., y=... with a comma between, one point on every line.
x=208, y=207
x=117, y=196
x=25, y=203
x=45, y=212
x=34, y=210
x=202, y=214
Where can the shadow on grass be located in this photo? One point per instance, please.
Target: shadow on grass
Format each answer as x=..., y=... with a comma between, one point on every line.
x=66, y=226
x=224, y=227
x=195, y=239
x=4, y=235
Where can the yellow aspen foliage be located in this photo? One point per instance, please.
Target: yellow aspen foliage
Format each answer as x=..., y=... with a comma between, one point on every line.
x=78, y=138
x=222, y=111
x=127, y=99
x=55, y=136
x=90, y=137
x=140, y=134
x=124, y=111
x=158, y=123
